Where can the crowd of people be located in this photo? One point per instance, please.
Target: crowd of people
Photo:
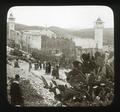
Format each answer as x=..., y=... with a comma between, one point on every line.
x=91, y=80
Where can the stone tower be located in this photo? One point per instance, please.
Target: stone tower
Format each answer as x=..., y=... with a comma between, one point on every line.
x=99, y=33
x=11, y=22
x=11, y=25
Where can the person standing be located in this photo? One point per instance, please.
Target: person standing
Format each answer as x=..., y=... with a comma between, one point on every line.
x=16, y=92
x=55, y=72
x=30, y=65
x=16, y=65
x=40, y=65
x=46, y=68
x=44, y=65
x=49, y=68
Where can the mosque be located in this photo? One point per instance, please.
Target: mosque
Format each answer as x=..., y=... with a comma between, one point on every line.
x=33, y=37
x=96, y=41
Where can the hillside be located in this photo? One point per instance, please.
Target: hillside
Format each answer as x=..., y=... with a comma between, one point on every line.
x=83, y=33
x=108, y=33
x=20, y=27
x=61, y=31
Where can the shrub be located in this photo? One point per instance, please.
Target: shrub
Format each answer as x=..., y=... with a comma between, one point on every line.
x=16, y=52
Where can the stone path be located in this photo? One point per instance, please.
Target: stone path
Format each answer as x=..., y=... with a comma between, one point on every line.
x=34, y=76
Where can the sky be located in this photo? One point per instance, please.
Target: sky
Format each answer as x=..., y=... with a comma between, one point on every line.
x=62, y=16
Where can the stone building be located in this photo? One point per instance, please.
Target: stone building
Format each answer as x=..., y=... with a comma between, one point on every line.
x=31, y=39
x=47, y=41
x=88, y=45
x=58, y=46
x=44, y=40
x=26, y=39
x=13, y=35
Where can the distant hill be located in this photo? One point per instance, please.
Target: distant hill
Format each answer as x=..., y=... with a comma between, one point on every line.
x=61, y=32
x=83, y=33
x=20, y=27
x=108, y=33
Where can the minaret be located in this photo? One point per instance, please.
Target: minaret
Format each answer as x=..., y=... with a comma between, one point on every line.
x=11, y=22
x=99, y=33
x=46, y=27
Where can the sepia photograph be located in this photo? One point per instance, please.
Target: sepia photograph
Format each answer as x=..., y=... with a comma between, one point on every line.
x=60, y=56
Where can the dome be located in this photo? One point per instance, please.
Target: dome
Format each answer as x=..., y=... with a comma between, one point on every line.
x=11, y=16
x=99, y=19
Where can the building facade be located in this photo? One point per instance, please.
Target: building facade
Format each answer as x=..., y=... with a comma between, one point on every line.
x=96, y=41
x=26, y=39
x=91, y=45
x=58, y=45
x=31, y=39
x=47, y=41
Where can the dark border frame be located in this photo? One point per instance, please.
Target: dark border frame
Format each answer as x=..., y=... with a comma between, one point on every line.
x=5, y=6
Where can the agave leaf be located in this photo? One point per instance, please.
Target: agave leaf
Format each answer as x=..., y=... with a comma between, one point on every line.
x=54, y=82
x=51, y=84
x=44, y=81
x=66, y=73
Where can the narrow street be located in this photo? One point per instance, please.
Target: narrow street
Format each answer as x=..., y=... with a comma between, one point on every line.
x=38, y=73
